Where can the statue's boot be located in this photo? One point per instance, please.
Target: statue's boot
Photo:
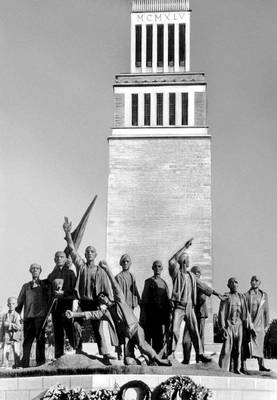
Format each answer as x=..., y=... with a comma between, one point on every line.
x=238, y=372
x=262, y=368
x=162, y=361
x=203, y=358
x=244, y=369
x=106, y=360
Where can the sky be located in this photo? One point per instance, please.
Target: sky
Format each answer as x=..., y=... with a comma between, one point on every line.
x=57, y=67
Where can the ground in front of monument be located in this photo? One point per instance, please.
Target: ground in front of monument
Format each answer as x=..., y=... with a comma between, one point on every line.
x=89, y=372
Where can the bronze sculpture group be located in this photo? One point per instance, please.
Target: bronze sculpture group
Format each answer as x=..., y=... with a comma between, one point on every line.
x=70, y=298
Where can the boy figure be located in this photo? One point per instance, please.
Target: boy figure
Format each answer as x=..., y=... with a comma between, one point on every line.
x=34, y=298
x=257, y=304
x=155, y=308
x=125, y=322
x=11, y=334
x=234, y=322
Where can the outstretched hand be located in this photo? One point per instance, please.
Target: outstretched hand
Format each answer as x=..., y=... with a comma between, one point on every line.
x=188, y=243
x=69, y=314
x=222, y=297
x=103, y=307
x=67, y=226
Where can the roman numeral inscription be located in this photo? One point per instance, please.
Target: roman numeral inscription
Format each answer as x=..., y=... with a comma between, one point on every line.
x=160, y=17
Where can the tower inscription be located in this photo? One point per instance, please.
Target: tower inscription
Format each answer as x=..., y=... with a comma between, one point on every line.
x=160, y=17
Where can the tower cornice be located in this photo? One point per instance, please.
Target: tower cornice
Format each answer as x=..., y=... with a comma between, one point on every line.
x=160, y=79
x=160, y=5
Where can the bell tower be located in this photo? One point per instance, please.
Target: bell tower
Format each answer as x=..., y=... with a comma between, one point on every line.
x=159, y=189
x=160, y=41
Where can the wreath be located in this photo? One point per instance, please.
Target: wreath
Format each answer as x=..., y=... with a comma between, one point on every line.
x=144, y=392
x=60, y=392
x=180, y=387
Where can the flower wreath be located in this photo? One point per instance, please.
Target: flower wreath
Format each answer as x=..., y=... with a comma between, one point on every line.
x=60, y=392
x=180, y=387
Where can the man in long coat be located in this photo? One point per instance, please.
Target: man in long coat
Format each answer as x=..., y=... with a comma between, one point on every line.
x=257, y=304
x=155, y=308
x=34, y=298
x=234, y=324
x=128, y=285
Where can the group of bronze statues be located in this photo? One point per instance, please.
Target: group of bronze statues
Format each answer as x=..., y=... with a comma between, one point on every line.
x=94, y=294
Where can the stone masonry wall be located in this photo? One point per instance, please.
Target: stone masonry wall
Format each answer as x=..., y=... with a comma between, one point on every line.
x=159, y=196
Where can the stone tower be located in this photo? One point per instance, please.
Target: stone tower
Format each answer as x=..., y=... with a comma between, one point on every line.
x=159, y=190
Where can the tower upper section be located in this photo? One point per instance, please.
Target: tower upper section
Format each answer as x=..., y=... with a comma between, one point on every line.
x=160, y=36
x=160, y=96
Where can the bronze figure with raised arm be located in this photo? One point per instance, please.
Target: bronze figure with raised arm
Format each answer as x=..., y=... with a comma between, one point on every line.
x=201, y=312
x=91, y=280
x=184, y=299
x=125, y=322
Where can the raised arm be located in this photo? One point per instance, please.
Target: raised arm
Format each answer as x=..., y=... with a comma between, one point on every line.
x=67, y=226
x=207, y=290
x=77, y=260
x=176, y=256
x=117, y=292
